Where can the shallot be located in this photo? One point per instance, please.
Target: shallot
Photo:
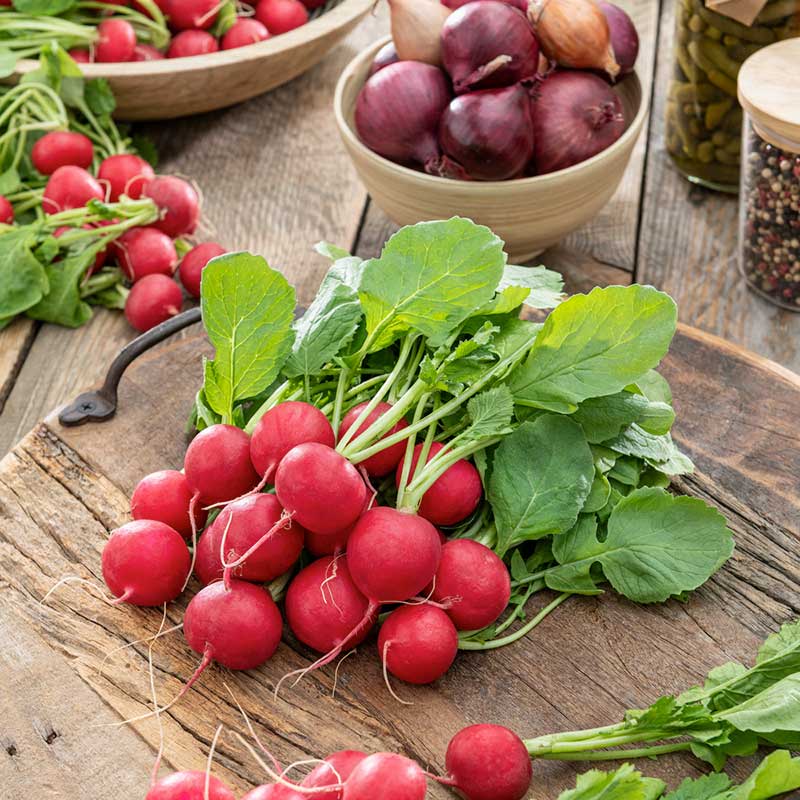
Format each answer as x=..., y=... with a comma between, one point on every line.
x=624, y=38
x=416, y=29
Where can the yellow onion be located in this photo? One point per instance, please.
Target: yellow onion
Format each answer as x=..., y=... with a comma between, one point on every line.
x=574, y=33
x=416, y=29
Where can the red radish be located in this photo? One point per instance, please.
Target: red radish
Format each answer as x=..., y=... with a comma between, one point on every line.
x=165, y=496
x=489, y=762
x=385, y=56
x=217, y=464
x=117, y=41
x=186, y=14
x=474, y=582
x=624, y=38
x=99, y=259
x=152, y=300
x=60, y=148
x=178, y=202
x=386, y=776
x=70, y=187
x=78, y=55
x=146, y=52
x=243, y=523
x=327, y=544
x=454, y=495
x=323, y=605
x=6, y=210
x=125, y=174
x=243, y=32
x=192, y=43
x=274, y=791
x=145, y=251
x=281, y=16
x=194, y=262
x=145, y=563
x=341, y=764
x=321, y=488
x=418, y=644
x=384, y=462
x=189, y=786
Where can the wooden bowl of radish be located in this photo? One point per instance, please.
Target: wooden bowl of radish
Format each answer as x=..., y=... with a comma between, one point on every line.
x=171, y=87
x=521, y=144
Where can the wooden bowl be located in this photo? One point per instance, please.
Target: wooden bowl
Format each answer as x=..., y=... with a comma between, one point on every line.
x=529, y=214
x=176, y=87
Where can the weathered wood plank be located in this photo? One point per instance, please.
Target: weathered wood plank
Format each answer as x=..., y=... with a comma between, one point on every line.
x=15, y=342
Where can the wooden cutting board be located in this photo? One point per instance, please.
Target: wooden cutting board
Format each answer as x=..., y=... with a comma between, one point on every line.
x=62, y=490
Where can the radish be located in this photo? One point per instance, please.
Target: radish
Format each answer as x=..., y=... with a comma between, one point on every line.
x=217, y=464
x=323, y=606
x=320, y=488
x=61, y=148
x=165, y=496
x=178, y=203
x=146, y=52
x=281, y=16
x=186, y=14
x=384, y=462
x=189, y=786
x=78, y=54
x=125, y=174
x=70, y=187
x=474, y=582
x=117, y=41
x=152, y=300
x=243, y=524
x=418, y=644
x=192, y=42
x=243, y=32
x=193, y=264
x=326, y=545
x=488, y=762
x=454, y=495
x=339, y=764
x=145, y=563
x=6, y=210
x=386, y=776
x=274, y=791
x=284, y=427
x=145, y=251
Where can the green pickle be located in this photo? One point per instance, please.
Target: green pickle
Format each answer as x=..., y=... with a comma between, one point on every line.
x=704, y=119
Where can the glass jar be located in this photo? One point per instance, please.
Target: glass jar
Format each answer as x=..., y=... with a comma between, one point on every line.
x=703, y=116
x=769, y=227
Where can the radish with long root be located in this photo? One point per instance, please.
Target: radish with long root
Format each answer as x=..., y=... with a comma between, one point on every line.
x=333, y=771
x=190, y=786
x=386, y=776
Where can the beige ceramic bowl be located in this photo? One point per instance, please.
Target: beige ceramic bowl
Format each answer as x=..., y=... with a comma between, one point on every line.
x=529, y=214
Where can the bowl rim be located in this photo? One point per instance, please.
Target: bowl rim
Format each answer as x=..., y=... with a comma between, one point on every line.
x=346, y=12
x=629, y=136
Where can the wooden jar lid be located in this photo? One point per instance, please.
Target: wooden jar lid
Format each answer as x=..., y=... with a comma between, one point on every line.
x=769, y=91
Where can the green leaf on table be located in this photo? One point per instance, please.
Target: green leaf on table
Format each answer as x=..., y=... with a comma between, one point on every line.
x=654, y=386
x=430, y=277
x=624, y=783
x=248, y=309
x=541, y=477
x=603, y=418
x=99, y=97
x=504, y=302
x=331, y=251
x=63, y=304
x=657, y=417
x=776, y=708
x=595, y=345
x=574, y=551
x=776, y=774
x=626, y=470
x=660, y=452
x=23, y=279
x=42, y=8
x=709, y=787
x=546, y=286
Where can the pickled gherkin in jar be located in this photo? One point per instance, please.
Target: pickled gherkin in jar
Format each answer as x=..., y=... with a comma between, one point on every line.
x=703, y=116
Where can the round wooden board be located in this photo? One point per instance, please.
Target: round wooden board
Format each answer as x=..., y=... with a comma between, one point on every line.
x=62, y=490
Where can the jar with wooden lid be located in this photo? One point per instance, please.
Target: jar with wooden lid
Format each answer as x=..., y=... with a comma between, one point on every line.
x=769, y=219
x=703, y=117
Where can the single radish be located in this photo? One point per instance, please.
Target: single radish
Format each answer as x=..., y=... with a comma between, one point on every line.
x=145, y=563
x=77, y=54
x=146, y=52
x=274, y=791
x=243, y=32
x=327, y=544
x=70, y=187
x=152, y=300
x=125, y=174
x=341, y=764
x=6, y=210
x=386, y=776
x=145, y=251
x=323, y=605
x=281, y=16
x=384, y=462
x=117, y=41
x=488, y=762
x=244, y=523
x=186, y=14
x=320, y=487
x=60, y=148
x=454, y=495
x=189, y=786
x=178, y=203
x=418, y=644
x=217, y=464
x=192, y=42
x=474, y=582
x=193, y=264
x=165, y=496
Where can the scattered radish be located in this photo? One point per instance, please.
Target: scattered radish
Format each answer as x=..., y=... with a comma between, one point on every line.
x=165, y=496
x=78, y=55
x=70, y=187
x=192, y=42
x=152, y=300
x=243, y=32
x=385, y=461
x=193, y=264
x=125, y=174
x=146, y=251
x=281, y=16
x=179, y=204
x=274, y=791
x=386, y=776
x=6, y=210
x=117, y=41
x=145, y=563
x=341, y=763
x=189, y=786
x=327, y=544
x=61, y=148
x=186, y=14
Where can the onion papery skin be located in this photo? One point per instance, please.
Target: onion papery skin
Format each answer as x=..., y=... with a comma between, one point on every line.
x=416, y=29
x=488, y=44
x=624, y=38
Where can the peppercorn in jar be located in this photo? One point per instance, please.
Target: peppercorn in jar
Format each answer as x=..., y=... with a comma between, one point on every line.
x=769, y=91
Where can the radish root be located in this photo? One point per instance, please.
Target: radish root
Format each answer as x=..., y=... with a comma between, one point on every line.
x=386, y=678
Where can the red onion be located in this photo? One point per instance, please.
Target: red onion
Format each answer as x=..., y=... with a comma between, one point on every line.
x=624, y=38
x=522, y=5
x=385, y=56
x=575, y=116
x=398, y=111
x=486, y=44
x=487, y=135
